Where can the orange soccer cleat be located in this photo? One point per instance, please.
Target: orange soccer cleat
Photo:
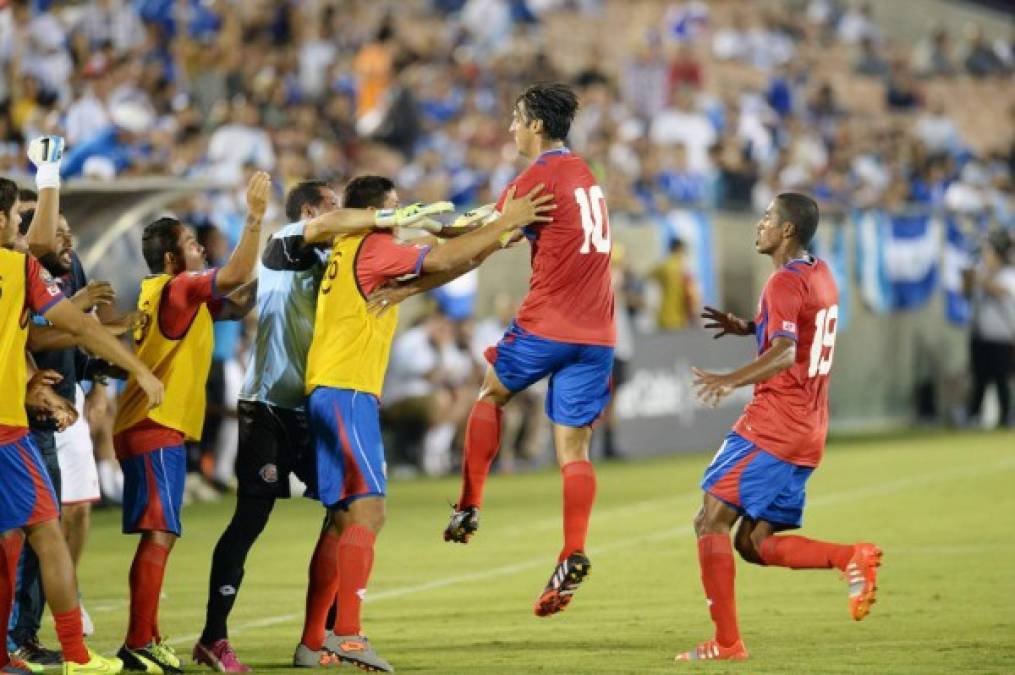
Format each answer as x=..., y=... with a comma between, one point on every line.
x=713, y=651
x=862, y=575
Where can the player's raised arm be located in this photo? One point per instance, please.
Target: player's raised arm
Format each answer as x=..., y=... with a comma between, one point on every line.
x=87, y=333
x=517, y=213
x=45, y=153
x=327, y=226
x=238, y=304
x=239, y=269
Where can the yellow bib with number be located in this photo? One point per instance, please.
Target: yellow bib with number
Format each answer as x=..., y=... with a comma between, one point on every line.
x=181, y=363
x=351, y=346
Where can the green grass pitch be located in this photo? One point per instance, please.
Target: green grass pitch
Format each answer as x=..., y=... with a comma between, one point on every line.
x=942, y=506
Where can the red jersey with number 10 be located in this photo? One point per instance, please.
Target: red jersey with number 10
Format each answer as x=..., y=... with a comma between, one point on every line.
x=788, y=416
x=570, y=295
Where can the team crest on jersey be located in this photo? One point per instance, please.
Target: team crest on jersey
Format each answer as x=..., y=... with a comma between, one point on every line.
x=269, y=473
x=789, y=326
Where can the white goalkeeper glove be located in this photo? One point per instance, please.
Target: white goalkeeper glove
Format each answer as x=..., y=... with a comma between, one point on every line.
x=416, y=216
x=46, y=152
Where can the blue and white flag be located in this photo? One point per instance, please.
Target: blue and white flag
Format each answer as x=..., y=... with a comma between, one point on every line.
x=694, y=228
x=897, y=259
x=957, y=256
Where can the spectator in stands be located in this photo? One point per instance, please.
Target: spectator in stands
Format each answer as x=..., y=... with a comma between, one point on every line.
x=991, y=288
x=682, y=123
x=871, y=62
x=240, y=141
x=933, y=56
x=428, y=392
x=901, y=90
x=858, y=24
x=679, y=300
x=645, y=79
x=981, y=59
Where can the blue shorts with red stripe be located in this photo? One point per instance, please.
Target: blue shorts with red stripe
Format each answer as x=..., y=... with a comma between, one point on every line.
x=27, y=497
x=350, y=453
x=580, y=375
x=757, y=483
x=153, y=490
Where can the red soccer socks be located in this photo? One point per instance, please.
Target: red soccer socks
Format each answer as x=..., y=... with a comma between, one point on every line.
x=355, y=560
x=146, y=575
x=718, y=573
x=801, y=553
x=10, y=551
x=579, y=494
x=482, y=440
x=323, y=584
x=69, y=632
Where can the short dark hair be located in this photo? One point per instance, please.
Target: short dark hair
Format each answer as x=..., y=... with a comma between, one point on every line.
x=159, y=238
x=553, y=103
x=8, y=195
x=362, y=192
x=306, y=193
x=800, y=210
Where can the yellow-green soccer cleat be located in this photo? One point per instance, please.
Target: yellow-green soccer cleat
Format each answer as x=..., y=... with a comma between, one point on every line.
x=97, y=665
x=156, y=658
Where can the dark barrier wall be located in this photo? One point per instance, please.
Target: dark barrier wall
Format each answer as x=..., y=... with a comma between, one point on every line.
x=656, y=409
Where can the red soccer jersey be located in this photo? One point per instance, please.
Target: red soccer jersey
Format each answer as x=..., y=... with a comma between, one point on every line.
x=570, y=295
x=788, y=415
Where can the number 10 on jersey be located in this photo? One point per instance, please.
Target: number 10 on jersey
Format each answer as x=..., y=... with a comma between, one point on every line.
x=595, y=222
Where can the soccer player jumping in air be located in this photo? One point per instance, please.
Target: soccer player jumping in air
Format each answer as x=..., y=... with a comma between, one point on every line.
x=564, y=330
x=759, y=473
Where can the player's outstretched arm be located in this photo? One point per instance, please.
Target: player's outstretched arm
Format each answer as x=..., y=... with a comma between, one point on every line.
x=240, y=267
x=45, y=152
x=517, y=213
x=727, y=323
x=714, y=387
x=327, y=226
x=49, y=338
x=89, y=334
x=389, y=295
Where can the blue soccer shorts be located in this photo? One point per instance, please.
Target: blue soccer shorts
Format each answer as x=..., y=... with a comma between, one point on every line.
x=580, y=375
x=757, y=483
x=347, y=438
x=27, y=496
x=153, y=490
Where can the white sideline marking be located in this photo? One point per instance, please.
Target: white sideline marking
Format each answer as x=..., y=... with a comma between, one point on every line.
x=890, y=487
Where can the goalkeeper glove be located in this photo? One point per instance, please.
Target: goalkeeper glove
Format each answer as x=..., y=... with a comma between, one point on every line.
x=414, y=215
x=484, y=215
x=45, y=152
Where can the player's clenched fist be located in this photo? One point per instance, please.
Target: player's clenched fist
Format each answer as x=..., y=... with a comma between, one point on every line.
x=258, y=190
x=45, y=152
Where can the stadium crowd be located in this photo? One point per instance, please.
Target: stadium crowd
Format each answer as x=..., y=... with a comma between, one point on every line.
x=717, y=105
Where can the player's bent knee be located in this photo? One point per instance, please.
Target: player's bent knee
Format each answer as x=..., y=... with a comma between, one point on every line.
x=699, y=522
x=747, y=550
